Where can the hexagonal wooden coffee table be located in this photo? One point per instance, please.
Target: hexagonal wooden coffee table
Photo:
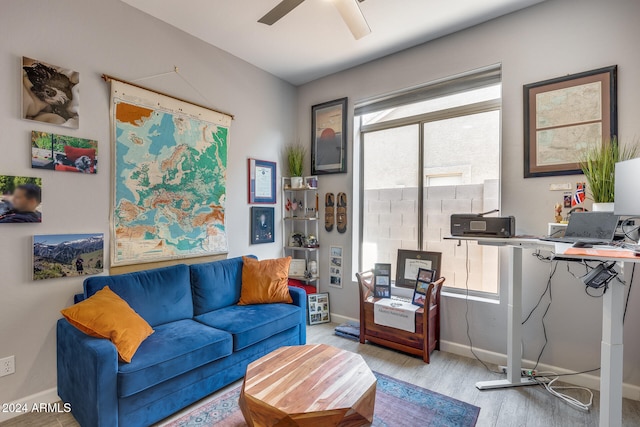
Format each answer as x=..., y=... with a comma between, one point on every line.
x=309, y=385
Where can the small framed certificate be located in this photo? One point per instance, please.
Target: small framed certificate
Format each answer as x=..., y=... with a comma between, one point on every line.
x=262, y=182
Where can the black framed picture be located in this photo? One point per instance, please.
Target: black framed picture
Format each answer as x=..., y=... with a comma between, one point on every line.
x=262, y=181
x=262, y=225
x=382, y=280
x=424, y=279
x=410, y=263
x=564, y=117
x=329, y=137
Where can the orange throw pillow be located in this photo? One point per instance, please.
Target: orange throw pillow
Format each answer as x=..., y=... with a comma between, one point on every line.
x=265, y=282
x=106, y=315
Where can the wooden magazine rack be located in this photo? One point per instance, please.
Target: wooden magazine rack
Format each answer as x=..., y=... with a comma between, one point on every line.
x=427, y=335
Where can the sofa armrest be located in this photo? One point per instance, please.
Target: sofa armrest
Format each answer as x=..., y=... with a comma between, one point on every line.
x=299, y=298
x=87, y=376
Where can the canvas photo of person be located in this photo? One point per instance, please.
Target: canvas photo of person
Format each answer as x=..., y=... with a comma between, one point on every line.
x=20, y=199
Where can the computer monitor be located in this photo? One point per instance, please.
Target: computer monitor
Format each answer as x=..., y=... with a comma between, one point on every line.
x=627, y=188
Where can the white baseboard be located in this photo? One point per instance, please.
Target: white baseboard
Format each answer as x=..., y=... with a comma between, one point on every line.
x=584, y=380
x=46, y=396
x=338, y=318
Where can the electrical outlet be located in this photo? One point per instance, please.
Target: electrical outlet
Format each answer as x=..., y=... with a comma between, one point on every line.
x=7, y=366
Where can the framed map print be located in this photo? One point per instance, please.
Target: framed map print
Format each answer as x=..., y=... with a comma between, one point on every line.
x=564, y=117
x=329, y=137
x=169, y=177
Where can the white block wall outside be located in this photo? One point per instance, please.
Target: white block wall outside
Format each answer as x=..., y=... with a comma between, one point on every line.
x=391, y=223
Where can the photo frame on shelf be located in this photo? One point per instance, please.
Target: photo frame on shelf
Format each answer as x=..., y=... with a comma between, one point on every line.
x=262, y=225
x=329, y=137
x=423, y=280
x=297, y=268
x=382, y=280
x=318, y=308
x=565, y=116
x=262, y=181
x=410, y=262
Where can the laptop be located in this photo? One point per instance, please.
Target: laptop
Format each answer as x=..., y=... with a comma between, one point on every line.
x=589, y=227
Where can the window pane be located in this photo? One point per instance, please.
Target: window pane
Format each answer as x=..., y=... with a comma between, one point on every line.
x=437, y=104
x=462, y=170
x=390, y=184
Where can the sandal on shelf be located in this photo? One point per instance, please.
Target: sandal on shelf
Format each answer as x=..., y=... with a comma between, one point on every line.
x=329, y=211
x=342, y=213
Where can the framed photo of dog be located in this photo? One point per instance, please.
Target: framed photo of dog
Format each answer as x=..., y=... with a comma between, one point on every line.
x=63, y=153
x=50, y=94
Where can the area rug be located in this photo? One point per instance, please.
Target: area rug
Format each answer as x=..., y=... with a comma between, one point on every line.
x=398, y=404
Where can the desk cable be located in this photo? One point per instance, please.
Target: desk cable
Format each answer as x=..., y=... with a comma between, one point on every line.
x=547, y=379
x=467, y=263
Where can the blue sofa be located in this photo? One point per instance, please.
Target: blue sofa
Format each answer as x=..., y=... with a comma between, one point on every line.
x=202, y=342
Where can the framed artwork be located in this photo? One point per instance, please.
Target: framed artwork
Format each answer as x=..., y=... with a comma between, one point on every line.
x=67, y=255
x=262, y=225
x=329, y=137
x=335, y=266
x=410, y=263
x=63, y=153
x=318, y=307
x=50, y=94
x=424, y=279
x=169, y=191
x=262, y=181
x=20, y=199
x=564, y=117
x=382, y=280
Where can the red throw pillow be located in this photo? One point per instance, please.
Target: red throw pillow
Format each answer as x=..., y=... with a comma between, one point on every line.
x=74, y=153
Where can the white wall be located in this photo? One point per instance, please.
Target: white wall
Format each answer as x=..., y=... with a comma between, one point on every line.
x=548, y=40
x=95, y=37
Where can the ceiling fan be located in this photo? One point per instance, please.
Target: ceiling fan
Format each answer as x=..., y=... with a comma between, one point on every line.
x=349, y=9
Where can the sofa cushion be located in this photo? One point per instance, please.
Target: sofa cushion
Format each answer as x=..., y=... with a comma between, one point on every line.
x=106, y=315
x=161, y=295
x=174, y=348
x=265, y=282
x=216, y=284
x=250, y=324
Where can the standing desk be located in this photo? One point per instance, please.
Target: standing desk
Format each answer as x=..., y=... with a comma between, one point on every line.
x=611, y=348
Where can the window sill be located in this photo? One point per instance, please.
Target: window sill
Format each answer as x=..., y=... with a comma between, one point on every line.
x=488, y=300
x=408, y=293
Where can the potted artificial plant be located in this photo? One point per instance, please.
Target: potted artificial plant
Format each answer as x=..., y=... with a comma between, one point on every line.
x=598, y=165
x=295, y=155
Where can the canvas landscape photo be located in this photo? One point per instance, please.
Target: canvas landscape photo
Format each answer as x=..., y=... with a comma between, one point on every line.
x=63, y=153
x=20, y=199
x=67, y=255
x=50, y=93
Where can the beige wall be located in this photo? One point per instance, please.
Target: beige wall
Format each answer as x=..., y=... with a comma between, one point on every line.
x=95, y=37
x=552, y=39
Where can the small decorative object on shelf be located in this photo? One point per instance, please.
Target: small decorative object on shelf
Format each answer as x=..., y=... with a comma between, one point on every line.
x=295, y=159
x=300, y=227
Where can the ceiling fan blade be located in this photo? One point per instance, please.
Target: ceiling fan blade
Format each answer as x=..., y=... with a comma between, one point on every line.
x=275, y=14
x=353, y=17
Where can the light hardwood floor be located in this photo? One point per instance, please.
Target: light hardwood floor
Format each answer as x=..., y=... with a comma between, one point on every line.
x=448, y=374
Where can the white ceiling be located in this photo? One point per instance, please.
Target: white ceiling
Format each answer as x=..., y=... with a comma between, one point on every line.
x=312, y=41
